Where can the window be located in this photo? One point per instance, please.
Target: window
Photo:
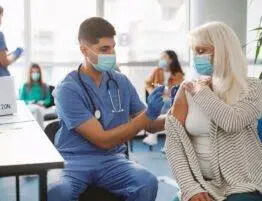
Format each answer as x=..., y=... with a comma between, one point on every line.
x=253, y=17
x=148, y=27
x=55, y=26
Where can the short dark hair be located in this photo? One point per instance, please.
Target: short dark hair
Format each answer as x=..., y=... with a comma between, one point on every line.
x=94, y=28
x=175, y=65
x=1, y=10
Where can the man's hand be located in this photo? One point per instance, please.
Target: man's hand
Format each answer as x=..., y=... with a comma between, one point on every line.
x=201, y=197
x=155, y=103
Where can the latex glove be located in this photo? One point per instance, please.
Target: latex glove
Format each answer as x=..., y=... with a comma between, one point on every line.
x=155, y=103
x=18, y=51
x=173, y=92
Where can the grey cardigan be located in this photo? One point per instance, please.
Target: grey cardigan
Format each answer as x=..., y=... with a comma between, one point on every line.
x=236, y=149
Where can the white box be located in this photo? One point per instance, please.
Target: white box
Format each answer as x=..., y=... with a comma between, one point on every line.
x=7, y=96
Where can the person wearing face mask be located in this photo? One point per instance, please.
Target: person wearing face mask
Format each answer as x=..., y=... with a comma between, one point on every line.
x=100, y=110
x=170, y=74
x=213, y=146
x=6, y=58
x=35, y=93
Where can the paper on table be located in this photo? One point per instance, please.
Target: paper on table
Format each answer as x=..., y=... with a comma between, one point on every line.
x=23, y=114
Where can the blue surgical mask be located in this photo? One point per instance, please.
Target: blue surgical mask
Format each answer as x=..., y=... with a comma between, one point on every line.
x=105, y=62
x=35, y=76
x=162, y=63
x=203, y=65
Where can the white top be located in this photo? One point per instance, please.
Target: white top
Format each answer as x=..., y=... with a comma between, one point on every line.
x=197, y=125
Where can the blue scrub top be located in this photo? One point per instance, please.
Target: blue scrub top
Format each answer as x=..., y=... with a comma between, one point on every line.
x=3, y=69
x=74, y=108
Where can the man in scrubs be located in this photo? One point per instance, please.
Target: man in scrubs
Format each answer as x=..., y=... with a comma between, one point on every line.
x=6, y=59
x=92, y=142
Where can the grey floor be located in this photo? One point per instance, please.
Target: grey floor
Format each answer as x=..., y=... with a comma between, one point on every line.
x=154, y=160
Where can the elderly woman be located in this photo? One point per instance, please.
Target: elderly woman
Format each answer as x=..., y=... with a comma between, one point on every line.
x=213, y=147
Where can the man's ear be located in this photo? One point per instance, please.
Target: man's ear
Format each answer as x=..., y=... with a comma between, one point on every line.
x=83, y=49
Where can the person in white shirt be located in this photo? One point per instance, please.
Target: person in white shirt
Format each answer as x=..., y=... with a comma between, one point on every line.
x=213, y=146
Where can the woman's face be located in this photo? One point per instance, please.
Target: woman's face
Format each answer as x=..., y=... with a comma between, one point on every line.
x=35, y=70
x=203, y=60
x=165, y=56
x=204, y=49
x=35, y=74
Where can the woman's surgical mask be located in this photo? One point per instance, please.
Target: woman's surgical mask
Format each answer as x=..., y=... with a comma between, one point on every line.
x=203, y=65
x=35, y=76
x=162, y=63
x=105, y=62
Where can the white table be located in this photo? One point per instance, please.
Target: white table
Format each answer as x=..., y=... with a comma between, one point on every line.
x=22, y=115
x=25, y=149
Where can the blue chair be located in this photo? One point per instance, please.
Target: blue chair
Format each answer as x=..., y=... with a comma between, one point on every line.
x=259, y=128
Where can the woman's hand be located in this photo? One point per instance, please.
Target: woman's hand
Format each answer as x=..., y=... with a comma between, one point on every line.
x=201, y=197
x=195, y=86
x=180, y=108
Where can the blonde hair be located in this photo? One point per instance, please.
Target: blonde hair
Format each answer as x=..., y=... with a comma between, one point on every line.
x=230, y=65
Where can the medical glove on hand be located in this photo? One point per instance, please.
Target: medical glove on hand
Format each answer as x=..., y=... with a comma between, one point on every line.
x=155, y=103
x=18, y=51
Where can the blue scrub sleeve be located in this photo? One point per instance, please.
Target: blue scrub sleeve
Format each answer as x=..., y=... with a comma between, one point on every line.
x=71, y=107
x=2, y=42
x=136, y=105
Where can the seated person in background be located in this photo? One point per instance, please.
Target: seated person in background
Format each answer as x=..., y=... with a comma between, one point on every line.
x=170, y=74
x=35, y=93
x=5, y=58
x=213, y=147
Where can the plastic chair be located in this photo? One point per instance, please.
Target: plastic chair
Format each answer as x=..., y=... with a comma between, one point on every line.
x=52, y=115
x=92, y=193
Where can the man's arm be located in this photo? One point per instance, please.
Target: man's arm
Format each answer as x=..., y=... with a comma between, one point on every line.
x=156, y=125
x=93, y=131
x=7, y=59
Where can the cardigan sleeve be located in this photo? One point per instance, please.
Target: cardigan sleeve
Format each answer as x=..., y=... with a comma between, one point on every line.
x=232, y=118
x=178, y=161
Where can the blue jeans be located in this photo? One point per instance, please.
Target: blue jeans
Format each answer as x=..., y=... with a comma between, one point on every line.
x=253, y=196
x=118, y=175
